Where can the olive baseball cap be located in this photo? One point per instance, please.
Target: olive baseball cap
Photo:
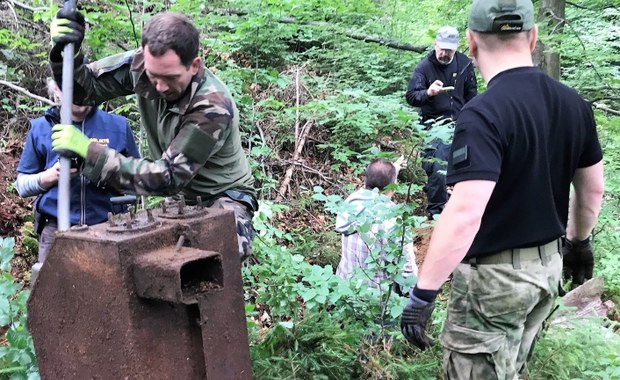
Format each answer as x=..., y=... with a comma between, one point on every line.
x=501, y=16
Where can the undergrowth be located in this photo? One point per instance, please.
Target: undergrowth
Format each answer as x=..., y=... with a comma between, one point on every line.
x=17, y=357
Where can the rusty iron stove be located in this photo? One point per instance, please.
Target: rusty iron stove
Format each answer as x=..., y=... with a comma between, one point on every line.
x=149, y=295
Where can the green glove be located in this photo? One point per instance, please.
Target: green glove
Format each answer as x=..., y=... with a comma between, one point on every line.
x=69, y=138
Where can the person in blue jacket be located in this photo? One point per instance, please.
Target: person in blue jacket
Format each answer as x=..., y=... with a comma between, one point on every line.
x=38, y=168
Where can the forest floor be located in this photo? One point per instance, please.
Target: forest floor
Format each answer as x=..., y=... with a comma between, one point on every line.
x=421, y=244
x=14, y=210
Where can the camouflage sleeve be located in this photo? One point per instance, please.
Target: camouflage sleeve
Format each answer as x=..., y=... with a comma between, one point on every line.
x=99, y=81
x=204, y=129
x=128, y=174
x=202, y=133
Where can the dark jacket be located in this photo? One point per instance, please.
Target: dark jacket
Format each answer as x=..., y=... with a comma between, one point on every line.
x=459, y=73
x=89, y=203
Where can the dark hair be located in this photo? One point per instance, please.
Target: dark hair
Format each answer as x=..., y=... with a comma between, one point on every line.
x=380, y=173
x=174, y=31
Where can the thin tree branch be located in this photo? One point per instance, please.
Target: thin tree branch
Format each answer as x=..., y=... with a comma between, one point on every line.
x=133, y=26
x=387, y=42
x=600, y=88
x=577, y=5
x=289, y=172
x=28, y=93
x=27, y=7
x=606, y=109
x=583, y=46
x=307, y=169
x=296, y=105
x=12, y=8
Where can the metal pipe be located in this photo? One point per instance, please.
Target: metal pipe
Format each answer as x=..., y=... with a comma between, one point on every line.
x=64, y=222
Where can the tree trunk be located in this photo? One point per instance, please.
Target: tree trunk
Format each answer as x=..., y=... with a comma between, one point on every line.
x=551, y=22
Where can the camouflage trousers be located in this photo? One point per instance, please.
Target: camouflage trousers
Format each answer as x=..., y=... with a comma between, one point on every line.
x=495, y=315
x=243, y=217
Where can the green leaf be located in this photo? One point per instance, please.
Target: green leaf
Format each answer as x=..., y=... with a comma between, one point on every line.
x=286, y=324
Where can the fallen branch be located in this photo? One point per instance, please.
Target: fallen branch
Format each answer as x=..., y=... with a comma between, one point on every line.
x=289, y=172
x=359, y=37
x=27, y=7
x=309, y=170
x=387, y=42
x=606, y=109
x=28, y=93
x=605, y=87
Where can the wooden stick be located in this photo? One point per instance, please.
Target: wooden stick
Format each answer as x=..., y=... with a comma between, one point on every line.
x=296, y=106
x=289, y=172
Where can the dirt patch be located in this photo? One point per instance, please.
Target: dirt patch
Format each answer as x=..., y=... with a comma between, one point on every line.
x=11, y=204
x=14, y=210
x=421, y=243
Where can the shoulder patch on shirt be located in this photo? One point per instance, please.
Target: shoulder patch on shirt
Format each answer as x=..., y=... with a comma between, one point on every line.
x=460, y=157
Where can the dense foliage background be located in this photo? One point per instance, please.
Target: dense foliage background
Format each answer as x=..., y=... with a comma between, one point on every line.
x=320, y=85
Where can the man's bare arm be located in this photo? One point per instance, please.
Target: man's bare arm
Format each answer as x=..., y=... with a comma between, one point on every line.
x=585, y=202
x=455, y=231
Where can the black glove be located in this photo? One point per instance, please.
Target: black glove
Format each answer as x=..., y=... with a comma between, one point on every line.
x=67, y=27
x=76, y=161
x=414, y=319
x=578, y=261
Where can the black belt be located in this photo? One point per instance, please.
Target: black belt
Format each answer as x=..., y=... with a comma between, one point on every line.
x=49, y=219
x=41, y=220
x=516, y=255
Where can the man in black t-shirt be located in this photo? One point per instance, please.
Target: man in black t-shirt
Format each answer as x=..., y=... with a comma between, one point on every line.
x=516, y=150
x=441, y=84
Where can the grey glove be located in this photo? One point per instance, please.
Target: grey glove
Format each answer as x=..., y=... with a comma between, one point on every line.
x=578, y=261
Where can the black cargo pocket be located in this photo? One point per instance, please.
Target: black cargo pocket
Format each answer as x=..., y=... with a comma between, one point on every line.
x=471, y=354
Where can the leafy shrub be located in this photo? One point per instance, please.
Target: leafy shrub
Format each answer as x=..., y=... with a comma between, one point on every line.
x=17, y=358
x=580, y=348
x=313, y=348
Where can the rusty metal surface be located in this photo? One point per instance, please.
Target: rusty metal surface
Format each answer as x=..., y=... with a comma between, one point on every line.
x=178, y=209
x=178, y=275
x=130, y=222
x=88, y=320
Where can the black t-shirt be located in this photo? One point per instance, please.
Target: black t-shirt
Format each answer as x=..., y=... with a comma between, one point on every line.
x=528, y=133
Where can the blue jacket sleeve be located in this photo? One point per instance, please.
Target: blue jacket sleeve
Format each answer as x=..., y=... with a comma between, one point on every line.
x=31, y=162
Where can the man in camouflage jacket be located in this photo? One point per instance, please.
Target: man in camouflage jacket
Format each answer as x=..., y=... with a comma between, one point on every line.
x=190, y=119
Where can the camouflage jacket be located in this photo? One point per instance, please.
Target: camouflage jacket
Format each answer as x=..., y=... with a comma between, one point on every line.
x=194, y=142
